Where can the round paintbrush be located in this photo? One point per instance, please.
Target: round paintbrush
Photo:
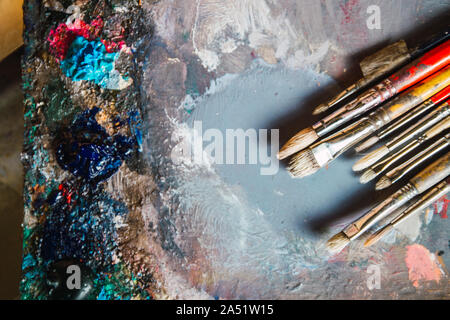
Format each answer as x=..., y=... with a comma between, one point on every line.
x=420, y=183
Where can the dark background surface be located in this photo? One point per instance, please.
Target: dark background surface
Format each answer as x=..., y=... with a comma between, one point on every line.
x=11, y=177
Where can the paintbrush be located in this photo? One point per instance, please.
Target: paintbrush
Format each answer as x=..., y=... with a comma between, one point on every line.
x=420, y=183
x=397, y=173
x=417, y=70
x=407, y=118
x=323, y=152
x=381, y=63
x=424, y=124
x=427, y=199
x=380, y=166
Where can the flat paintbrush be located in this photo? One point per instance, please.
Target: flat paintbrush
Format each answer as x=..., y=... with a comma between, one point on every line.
x=407, y=118
x=397, y=173
x=422, y=67
x=420, y=183
x=427, y=199
x=323, y=152
x=381, y=63
x=386, y=163
x=394, y=144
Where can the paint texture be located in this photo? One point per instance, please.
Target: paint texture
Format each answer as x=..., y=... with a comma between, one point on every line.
x=108, y=181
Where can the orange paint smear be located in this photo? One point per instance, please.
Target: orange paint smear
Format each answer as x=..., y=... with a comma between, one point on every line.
x=421, y=265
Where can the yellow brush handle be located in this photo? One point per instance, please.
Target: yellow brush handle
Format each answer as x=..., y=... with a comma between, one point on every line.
x=432, y=174
x=417, y=94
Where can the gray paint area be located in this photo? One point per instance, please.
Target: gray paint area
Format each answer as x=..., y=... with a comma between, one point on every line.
x=254, y=102
x=231, y=232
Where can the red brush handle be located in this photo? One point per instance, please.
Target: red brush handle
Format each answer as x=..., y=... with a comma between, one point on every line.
x=441, y=95
x=422, y=67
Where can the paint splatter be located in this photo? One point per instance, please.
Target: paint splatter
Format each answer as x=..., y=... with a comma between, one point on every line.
x=421, y=265
x=441, y=206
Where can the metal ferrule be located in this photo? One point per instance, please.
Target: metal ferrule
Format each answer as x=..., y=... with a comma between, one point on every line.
x=363, y=103
x=427, y=199
x=426, y=154
x=382, y=210
x=410, y=116
x=437, y=115
x=328, y=149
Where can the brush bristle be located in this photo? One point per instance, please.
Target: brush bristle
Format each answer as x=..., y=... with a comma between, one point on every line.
x=370, y=158
x=367, y=176
x=383, y=183
x=367, y=144
x=303, y=164
x=298, y=142
x=320, y=109
x=337, y=242
x=377, y=236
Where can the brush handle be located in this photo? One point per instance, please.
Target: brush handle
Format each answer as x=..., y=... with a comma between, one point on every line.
x=428, y=177
x=427, y=199
x=417, y=112
x=411, y=97
x=424, y=124
x=393, y=158
x=419, y=158
x=430, y=42
x=383, y=209
x=432, y=174
x=418, y=69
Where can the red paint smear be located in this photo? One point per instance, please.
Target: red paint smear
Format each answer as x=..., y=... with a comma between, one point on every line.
x=66, y=193
x=443, y=212
x=420, y=265
x=61, y=38
x=347, y=8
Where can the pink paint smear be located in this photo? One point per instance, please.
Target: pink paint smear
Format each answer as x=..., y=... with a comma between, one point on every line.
x=421, y=265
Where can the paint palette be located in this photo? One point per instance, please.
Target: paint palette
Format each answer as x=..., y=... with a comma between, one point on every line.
x=150, y=159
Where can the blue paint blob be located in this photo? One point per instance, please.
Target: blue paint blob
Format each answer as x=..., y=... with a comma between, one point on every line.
x=89, y=60
x=87, y=151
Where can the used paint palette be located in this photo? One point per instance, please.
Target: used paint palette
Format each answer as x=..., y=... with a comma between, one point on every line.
x=178, y=164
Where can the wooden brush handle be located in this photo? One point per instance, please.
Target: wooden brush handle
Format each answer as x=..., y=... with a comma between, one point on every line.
x=416, y=95
x=422, y=67
x=432, y=174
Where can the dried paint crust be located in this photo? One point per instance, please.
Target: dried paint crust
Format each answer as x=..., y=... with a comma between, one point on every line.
x=78, y=133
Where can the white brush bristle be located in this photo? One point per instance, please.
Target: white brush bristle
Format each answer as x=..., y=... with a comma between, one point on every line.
x=300, y=141
x=370, y=158
x=320, y=109
x=337, y=242
x=303, y=164
x=383, y=183
x=367, y=176
x=367, y=144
